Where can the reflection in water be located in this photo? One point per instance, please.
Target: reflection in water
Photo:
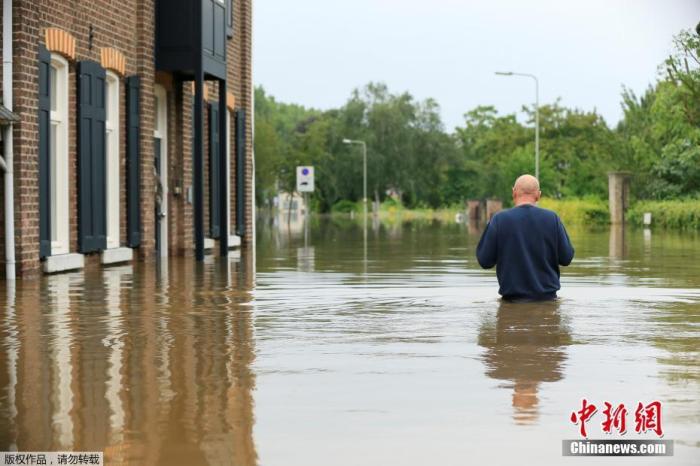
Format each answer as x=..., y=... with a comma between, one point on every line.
x=149, y=365
x=8, y=368
x=647, y=242
x=397, y=344
x=526, y=347
x=474, y=227
x=59, y=323
x=617, y=248
x=305, y=259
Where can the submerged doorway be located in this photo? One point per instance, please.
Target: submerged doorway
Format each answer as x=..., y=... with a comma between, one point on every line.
x=160, y=168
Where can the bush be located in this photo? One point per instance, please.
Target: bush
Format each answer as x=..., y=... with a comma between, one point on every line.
x=390, y=202
x=586, y=211
x=682, y=213
x=345, y=207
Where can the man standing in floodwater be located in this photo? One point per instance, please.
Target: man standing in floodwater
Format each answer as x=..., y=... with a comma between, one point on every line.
x=527, y=244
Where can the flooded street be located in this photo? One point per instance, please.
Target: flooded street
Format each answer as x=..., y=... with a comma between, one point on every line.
x=399, y=352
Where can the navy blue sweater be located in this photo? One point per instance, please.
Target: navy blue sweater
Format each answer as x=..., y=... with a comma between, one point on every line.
x=527, y=245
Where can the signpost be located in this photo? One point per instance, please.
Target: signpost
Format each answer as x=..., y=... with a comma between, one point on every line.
x=305, y=179
x=305, y=184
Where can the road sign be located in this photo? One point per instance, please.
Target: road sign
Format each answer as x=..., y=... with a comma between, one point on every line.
x=305, y=179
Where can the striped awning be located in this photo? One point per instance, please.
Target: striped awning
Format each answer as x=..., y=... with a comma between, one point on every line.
x=6, y=116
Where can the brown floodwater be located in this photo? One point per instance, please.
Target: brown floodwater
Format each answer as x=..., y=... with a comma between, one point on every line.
x=325, y=349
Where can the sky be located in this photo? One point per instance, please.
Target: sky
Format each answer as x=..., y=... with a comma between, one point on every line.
x=315, y=52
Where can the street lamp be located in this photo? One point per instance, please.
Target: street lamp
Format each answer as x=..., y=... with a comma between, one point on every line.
x=537, y=115
x=364, y=196
x=364, y=169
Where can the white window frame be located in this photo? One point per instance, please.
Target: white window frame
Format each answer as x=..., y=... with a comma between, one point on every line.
x=161, y=114
x=112, y=159
x=59, y=158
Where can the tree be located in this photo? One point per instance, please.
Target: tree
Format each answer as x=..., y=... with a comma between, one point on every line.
x=410, y=153
x=660, y=128
x=683, y=68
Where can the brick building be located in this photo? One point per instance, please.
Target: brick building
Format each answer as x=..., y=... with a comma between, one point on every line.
x=133, y=130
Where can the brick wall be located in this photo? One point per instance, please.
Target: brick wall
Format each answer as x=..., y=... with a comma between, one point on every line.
x=26, y=30
x=185, y=227
x=145, y=67
x=110, y=24
x=127, y=26
x=243, y=90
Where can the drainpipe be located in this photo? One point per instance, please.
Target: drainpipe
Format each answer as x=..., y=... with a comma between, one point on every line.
x=7, y=140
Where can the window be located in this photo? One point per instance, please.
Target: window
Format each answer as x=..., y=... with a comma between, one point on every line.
x=112, y=159
x=58, y=89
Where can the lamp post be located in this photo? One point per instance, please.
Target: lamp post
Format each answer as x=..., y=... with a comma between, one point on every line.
x=537, y=115
x=364, y=170
x=364, y=197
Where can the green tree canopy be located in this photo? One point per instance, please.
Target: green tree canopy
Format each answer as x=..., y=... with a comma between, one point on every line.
x=412, y=156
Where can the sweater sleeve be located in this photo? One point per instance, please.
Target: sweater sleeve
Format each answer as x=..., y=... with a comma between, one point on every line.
x=565, y=248
x=487, y=250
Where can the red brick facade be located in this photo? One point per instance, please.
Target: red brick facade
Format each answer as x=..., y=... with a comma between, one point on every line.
x=127, y=26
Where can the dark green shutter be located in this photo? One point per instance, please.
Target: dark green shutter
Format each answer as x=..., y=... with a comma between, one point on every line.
x=229, y=18
x=133, y=162
x=44, y=153
x=240, y=172
x=92, y=220
x=214, y=153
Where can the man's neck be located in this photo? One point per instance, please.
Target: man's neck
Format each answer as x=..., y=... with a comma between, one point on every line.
x=520, y=202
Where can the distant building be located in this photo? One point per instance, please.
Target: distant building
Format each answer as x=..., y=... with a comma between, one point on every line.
x=111, y=159
x=286, y=202
x=291, y=211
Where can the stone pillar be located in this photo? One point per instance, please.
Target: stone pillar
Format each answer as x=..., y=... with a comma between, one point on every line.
x=474, y=210
x=618, y=194
x=492, y=207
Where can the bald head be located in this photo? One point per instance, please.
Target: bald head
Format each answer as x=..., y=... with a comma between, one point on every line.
x=526, y=190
